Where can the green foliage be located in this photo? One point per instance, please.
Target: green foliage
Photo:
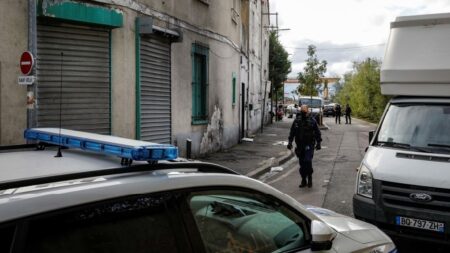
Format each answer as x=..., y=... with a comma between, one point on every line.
x=361, y=90
x=313, y=71
x=279, y=65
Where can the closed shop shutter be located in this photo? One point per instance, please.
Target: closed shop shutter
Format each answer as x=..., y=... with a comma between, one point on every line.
x=155, y=91
x=85, y=99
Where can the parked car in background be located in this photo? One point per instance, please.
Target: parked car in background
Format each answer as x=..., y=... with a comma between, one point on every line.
x=328, y=110
x=291, y=111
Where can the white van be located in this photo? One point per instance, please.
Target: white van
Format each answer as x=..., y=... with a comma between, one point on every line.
x=403, y=183
x=315, y=106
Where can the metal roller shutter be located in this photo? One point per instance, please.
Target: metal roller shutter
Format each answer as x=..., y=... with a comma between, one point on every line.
x=155, y=91
x=85, y=73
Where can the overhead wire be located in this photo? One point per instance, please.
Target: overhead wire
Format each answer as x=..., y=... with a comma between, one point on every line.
x=339, y=48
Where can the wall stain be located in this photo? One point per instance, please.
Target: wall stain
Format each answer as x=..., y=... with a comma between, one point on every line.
x=212, y=140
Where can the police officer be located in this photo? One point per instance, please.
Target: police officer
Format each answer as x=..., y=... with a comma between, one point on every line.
x=348, y=112
x=307, y=137
x=337, y=113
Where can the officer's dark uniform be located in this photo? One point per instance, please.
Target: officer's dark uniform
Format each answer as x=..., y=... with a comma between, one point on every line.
x=337, y=114
x=307, y=136
x=348, y=117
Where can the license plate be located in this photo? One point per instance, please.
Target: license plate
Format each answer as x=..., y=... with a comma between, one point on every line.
x=418, y=223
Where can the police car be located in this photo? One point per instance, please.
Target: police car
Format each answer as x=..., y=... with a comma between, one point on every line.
x=110, y=194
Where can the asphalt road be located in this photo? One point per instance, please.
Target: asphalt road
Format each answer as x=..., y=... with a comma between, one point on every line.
x=334, y=177
x=334, y=167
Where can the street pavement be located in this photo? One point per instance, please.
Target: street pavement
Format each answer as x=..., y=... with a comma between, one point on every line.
x=268, y=159
x=253, y=158
x=335, y=165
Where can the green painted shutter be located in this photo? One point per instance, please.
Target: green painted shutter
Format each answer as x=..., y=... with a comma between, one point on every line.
x=194, y=85
x=199, y=84
x=233, y=83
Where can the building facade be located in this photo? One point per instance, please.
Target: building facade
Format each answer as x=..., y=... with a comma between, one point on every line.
x=254, y=66
x=161, y=71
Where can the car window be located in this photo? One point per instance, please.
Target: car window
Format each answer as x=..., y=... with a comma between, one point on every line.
x=417, y=125
x=234, y=221
x=134, y=225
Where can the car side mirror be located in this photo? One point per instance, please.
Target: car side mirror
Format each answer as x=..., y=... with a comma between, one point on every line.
x=322, y=236
x=371, y=133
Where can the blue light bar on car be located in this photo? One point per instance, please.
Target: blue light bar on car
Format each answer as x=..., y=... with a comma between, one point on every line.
x=105, y=144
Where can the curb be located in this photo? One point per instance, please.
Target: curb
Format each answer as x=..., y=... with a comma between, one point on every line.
x=324, y=127
x=272, y=162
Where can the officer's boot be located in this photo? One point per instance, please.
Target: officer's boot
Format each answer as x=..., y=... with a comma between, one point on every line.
x=303, y=183
x=309, y=181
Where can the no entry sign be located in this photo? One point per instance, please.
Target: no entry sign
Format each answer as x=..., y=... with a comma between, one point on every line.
x=26, y=62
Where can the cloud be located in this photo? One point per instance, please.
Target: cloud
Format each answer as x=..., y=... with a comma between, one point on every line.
x=339, y=57
x=333, y=53
x=343, y=24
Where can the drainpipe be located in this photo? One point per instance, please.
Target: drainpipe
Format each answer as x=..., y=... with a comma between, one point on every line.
x=248, y=67
x=32, y=47
x=261, y=69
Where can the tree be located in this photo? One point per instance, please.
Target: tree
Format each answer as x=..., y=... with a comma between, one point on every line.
x=313, y=71
x=279, y=65
x=361, y=90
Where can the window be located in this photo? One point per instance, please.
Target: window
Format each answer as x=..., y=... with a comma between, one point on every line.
x=420, y=127
x=199, y=84
x=234, y=221
x=140, y=224
x=233, y=84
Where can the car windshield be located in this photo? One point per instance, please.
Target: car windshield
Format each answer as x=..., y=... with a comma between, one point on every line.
x=313, y=103
x=421, y=127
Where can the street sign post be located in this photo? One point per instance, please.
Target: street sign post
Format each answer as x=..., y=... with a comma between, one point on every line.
x=26, y=80
x=26, y=67
x=26, y=62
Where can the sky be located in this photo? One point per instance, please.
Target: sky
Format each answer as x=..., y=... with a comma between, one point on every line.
x=344, y=31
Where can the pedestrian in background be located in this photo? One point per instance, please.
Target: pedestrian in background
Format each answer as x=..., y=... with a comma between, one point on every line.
x=295, y=111
x=337, y=113
x=307, y=136
x=348, y=112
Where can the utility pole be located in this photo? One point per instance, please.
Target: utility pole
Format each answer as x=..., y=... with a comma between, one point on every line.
x=272, y=88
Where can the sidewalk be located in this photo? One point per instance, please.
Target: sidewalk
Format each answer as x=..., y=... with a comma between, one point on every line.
x=253, y=159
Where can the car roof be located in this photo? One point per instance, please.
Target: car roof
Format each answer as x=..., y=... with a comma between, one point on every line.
x=26, y=164
x=406, y=99
x=308, y=97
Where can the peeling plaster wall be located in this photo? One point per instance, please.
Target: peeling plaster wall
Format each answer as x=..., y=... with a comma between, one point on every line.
x=213, y=137
x=224, y=60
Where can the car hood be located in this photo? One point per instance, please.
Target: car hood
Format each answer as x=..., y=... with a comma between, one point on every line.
x=351, y=228
x=405, y=167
